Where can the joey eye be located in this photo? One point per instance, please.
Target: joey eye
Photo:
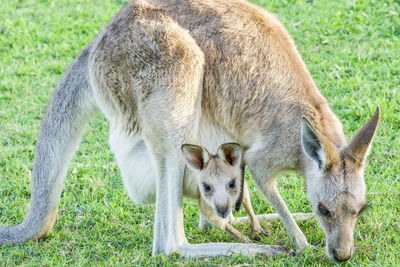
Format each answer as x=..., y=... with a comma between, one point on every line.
x=207, y=188
x=232, y=184
x=323, y=210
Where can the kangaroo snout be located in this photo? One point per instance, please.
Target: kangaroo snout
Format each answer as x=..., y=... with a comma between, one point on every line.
x=341, y=251
x=342, y=255
x=222, y=210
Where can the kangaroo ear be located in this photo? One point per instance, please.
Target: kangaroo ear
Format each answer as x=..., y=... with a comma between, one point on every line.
x=359, y=147
x=311, y=143
x=196, y=157
x=230, y=152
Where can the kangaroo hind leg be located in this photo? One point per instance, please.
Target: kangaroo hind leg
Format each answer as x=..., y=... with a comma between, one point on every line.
x=149, y=77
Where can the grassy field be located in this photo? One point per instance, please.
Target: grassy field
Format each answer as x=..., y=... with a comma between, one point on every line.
x=352, y=49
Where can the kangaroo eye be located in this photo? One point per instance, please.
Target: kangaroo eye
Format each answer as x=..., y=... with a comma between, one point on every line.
x=207, y=188
x=323, y=210
x=232, y=184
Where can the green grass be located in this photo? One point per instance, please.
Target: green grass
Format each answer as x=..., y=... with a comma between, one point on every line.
x=352, y=49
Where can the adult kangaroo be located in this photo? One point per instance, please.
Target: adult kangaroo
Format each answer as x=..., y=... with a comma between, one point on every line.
x=169, y=72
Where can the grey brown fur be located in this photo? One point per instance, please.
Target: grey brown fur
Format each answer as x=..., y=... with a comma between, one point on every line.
x=170, y=72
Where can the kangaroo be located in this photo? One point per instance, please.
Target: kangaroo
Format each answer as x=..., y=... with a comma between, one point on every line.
x=219, y=185
x=170, y=72
x=215, y=181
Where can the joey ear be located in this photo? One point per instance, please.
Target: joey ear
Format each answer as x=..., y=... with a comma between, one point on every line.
x=360, y=145
x=311, y=143
x=196, y=157
x=230, y=152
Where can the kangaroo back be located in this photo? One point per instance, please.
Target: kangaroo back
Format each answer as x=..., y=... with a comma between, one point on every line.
x=63, y=125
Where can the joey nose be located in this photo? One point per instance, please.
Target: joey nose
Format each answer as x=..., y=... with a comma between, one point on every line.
x=222, y=210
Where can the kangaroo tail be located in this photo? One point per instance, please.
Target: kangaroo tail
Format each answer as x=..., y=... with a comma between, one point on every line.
x=69, y=111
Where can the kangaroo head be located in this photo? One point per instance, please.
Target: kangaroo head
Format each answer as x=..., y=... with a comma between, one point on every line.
x=336, y=185
x=219, y=176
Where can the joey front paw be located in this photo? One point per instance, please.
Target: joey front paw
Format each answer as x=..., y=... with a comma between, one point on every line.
x=247, y=240
x=258, y=233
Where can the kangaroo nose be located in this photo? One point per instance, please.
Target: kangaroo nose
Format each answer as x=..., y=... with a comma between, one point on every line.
x=222, y=211
x=340, y=258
